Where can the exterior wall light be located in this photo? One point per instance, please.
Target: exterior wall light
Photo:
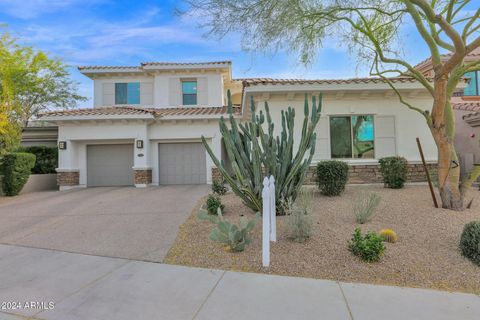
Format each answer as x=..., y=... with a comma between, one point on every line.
x=62, y=145
x=139, y=144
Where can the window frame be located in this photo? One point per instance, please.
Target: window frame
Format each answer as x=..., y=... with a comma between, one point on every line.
x=477, y=84
x=351, y=136
x=182, y=81
x=126, y=93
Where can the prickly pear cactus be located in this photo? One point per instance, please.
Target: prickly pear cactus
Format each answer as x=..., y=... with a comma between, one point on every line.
x=233, y=236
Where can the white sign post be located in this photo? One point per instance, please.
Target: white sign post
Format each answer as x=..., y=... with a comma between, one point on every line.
x=273, y=213
x=269, y=228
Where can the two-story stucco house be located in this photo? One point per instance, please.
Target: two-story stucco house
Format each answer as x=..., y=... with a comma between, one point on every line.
x=146, y=123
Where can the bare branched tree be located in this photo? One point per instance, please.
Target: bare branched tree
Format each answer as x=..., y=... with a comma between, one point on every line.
x=372, y=30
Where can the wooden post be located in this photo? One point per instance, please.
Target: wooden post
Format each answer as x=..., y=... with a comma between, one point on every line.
x=427, y=173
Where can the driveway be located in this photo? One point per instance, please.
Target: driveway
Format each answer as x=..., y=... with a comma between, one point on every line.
x=139, y=224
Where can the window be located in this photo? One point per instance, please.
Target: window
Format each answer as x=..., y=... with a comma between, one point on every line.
x=352, y=137
x=127, y=93
x=189, y=91
x=473, y=88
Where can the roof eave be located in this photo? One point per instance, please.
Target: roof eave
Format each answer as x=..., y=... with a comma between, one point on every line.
x=54, y=118
x=187, y=67
x=279, y=87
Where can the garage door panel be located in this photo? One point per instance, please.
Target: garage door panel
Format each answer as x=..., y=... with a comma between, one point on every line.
x=182, y=163
x=109, y=165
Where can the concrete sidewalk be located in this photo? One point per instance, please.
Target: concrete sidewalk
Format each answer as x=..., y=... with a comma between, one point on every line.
x=87, y=287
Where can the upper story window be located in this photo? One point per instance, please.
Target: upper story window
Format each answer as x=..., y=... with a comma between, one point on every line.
x=127, y=93
x=352, y=137
x=473, y=88
x=189, y=92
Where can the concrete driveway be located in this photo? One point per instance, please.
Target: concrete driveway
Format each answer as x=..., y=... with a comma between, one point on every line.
x=139, y=224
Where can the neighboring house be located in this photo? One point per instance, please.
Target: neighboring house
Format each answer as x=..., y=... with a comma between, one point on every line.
x=147, y=121
x=466, y=104
x=39, y=133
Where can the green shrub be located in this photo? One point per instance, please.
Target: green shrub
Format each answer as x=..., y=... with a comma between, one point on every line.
x=368, y=247
x=299, y=220
x=332, y=176
x=218, y=187
x=365, y=206
x=394, y=171
x=470, y=241
x=46, y=158
x=16, y=167
x=213, y=203
x=233, y=236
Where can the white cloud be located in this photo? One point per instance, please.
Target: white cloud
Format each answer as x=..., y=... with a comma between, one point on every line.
x=28, y=9
x=91, y=40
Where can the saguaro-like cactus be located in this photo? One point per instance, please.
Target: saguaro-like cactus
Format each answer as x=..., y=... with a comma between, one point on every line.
x=254, y=151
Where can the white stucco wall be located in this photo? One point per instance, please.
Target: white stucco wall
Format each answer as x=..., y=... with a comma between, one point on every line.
x=161, y=90
x=79, y=135
x=409, y=124
x=100, y=84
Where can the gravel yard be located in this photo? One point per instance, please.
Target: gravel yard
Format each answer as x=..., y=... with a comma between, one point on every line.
x=426, y=254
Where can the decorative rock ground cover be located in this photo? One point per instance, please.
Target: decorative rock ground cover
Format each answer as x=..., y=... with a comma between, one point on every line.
x=426, y=254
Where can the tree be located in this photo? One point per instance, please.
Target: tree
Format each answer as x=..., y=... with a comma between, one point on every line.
x=30, y=82
x=372, y=29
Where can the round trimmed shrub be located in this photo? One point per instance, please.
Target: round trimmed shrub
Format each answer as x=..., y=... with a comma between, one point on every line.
x=394, y=171
x=470, y=241
x=16, y=167
x=332, y=177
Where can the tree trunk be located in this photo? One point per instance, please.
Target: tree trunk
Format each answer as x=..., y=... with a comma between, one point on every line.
x=449, y=177
x=443, y=131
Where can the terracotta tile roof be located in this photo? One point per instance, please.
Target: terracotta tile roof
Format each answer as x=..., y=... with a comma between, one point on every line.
x=474, y=54
x=193, y=111
x=159, y=63
x=256, y=81
x=467, y=106
x=471, y=115
x=97, y=111
x=153, y=63
x=156, y=112
x=106, y=67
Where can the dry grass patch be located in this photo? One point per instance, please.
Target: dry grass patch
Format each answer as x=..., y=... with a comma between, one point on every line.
x=425, y=255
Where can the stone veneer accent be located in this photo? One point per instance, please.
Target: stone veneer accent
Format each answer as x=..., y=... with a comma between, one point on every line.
x=216, y=175
x=68, y=178
x=363, y=174
x=143, y=176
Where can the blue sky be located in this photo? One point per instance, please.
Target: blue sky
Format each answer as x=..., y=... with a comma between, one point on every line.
x=106, y=32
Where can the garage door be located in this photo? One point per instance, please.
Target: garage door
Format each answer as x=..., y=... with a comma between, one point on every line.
x=182, y=163
x=109, y=165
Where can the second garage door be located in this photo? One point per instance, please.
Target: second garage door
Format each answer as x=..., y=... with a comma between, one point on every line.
x=109, y=165
x=182, y=163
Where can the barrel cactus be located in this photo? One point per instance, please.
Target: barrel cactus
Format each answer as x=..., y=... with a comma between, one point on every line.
x=388, y=235
x=254, y=151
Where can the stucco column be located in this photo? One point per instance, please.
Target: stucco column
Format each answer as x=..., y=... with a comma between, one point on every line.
x=216, y=144
x=142, y=168
x=68, y=173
